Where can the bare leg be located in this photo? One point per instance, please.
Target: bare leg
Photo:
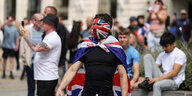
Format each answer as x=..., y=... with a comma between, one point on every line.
x=4, y=64
x=11, y=63
x=11, y=67
x=4, y=67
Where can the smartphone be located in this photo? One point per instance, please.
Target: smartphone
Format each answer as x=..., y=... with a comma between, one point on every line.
x=156, y=8
x=22, y=24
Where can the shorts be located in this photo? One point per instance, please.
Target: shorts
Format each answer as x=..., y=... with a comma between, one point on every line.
x=8, y=53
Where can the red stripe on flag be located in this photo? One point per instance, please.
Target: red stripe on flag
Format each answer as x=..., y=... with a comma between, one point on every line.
x=114, y=43
x=96, y=20
x=103, y=33
x=116, y=80
x=104, y=29
x=87, y=41
x=77, y=80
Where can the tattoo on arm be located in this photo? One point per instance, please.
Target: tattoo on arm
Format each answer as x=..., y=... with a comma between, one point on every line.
x=29, y=42
x=36, y=46
x=44, y=45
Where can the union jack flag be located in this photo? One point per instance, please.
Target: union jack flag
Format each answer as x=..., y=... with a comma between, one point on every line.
x=110, y=44
x=102, y=31
x=144, y=29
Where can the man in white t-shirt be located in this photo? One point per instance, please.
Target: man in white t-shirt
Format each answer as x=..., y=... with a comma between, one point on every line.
x=173, y=62
x=47, y=57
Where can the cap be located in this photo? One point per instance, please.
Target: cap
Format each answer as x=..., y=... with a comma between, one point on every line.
x=51, y=19
x=183, y=11
x=132, y=18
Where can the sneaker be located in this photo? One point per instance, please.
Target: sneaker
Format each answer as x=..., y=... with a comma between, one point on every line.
x=3, y=76
x=11, y=76
x=18, y=67
x=150, y=87
x=144, y=84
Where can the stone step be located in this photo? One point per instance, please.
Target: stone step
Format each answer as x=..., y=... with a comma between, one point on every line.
x=141, y=92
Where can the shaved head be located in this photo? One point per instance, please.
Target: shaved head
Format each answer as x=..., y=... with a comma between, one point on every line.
x=50, y=10
x=37, y=16
x=36, y=19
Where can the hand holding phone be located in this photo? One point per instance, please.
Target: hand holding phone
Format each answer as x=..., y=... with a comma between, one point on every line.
x=22, y=23
x=22, y=31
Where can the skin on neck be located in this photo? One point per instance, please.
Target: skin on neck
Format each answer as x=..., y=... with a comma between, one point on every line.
x=49, y=31
x=36, y=28
x=125, y=47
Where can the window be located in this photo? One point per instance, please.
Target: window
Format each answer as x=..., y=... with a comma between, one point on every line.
x=113, y=8
x=64, y=9
x=34, y=7
x=11, y=8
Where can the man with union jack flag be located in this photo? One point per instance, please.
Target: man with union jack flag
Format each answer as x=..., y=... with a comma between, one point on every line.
x=101, y=56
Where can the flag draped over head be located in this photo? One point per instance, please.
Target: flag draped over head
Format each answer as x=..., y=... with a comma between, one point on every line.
x=110, y=44
x=101, y=29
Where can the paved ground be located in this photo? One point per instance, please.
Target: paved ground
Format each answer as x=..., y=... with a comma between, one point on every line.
x=14, y=87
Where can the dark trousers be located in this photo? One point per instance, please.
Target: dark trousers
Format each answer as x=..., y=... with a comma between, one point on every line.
x=17, y=59
x=30, y=80
x=46, y=88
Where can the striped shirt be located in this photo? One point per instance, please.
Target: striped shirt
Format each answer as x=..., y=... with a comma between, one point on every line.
x=36, y=37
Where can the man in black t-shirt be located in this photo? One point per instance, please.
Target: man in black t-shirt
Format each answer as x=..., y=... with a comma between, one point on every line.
x=100, y=61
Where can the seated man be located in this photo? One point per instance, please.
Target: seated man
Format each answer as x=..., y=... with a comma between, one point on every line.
x=132, y=56
x=173, y=62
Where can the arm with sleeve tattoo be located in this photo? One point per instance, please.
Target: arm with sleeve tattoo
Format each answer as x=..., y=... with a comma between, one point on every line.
x=37, y=47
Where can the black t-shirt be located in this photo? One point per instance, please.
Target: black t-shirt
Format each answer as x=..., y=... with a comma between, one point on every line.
x=100, y=67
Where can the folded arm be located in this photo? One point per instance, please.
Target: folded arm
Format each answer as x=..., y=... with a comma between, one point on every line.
x=37, y=47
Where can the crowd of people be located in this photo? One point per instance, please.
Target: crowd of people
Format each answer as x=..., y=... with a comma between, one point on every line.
x=41, y=43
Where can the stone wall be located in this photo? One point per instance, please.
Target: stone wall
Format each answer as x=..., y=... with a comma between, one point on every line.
x=81, y=9
x=128, y=8
x=2, y=11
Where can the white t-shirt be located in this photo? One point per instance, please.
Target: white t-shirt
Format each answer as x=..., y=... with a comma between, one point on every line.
x=167, y=61
x=1, y=38
x=46, y=63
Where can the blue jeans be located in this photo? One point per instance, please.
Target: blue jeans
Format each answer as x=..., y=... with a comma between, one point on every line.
x=30, y=80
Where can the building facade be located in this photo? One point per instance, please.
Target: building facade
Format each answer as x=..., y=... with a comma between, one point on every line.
x=71, y=10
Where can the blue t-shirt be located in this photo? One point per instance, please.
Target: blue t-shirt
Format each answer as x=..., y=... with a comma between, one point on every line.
x=132, y=56
x=10, y=36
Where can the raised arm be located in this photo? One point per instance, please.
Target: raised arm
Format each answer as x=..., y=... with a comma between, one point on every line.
x=123, y=80
x=162, y=16
x=68, y=77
